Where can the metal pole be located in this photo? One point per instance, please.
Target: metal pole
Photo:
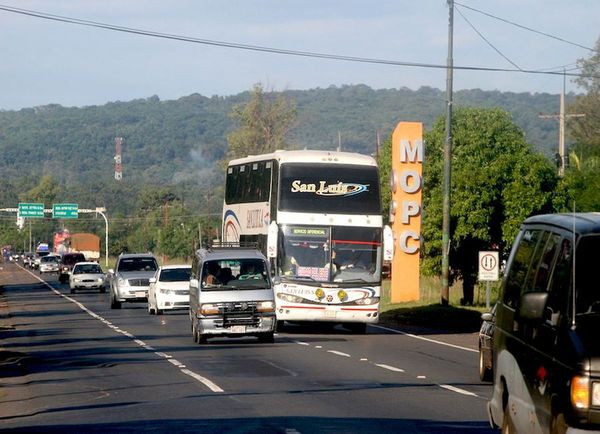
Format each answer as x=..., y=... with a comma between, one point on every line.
x=445, y=292
x=561, y=131
x=488, y=290
x=100, y=211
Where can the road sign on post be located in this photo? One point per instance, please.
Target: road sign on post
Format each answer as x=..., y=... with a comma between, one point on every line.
x=489, y=267
x=35, y=210
x=65, y=211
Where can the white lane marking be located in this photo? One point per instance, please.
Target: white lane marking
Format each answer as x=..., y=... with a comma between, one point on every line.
x=338, y=353
x=457, y=390
x=421, y=376
x=319, y=346
x=389, y=368
x=212, y=386
x=425, y=339
x=301, y=343
x=363, y=359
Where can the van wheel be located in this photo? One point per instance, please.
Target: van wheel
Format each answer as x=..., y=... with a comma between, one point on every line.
x=507, y=424
x=558, y=424
x=266, y=338
x=485, y=374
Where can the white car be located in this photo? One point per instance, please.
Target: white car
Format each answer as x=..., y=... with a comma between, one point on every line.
x=169, y=289
x=87, y=275
x=49, y=264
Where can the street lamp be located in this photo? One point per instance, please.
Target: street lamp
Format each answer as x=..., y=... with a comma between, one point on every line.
x=101, y=211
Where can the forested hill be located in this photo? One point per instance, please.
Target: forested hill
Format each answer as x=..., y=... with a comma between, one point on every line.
x=170, y=142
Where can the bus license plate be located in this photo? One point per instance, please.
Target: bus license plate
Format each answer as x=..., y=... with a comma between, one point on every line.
x=330, y=313
x=238, y=329
x=140, y=294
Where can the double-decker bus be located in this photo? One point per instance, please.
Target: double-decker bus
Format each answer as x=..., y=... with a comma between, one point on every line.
x=317, y=215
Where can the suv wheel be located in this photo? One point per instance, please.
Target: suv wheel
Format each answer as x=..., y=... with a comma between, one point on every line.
x=266, y=338
x=114, y=304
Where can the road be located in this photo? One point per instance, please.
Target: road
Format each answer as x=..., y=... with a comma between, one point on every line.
x=71, y=364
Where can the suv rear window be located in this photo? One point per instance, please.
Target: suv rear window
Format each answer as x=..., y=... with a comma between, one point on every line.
x=137, y=264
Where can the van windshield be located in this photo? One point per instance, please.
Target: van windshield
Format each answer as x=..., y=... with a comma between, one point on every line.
x=235, y=274
x=586, y=275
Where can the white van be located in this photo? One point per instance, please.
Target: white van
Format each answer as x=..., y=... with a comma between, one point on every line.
x=231, y=294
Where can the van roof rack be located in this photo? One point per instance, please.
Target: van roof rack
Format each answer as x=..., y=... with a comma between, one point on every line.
x=224, y=245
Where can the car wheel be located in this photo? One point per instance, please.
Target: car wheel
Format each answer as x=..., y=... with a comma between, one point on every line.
x=194, y=333
x=266, y=338
x=485, y=374
x=150, y=310
x=507, y=424
x=114, y=304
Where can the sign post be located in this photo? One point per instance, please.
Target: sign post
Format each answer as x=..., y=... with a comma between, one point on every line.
x=31, y=210
x=489, y=268
x=65, y=211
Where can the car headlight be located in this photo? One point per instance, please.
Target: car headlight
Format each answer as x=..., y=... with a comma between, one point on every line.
x=121, y=281
x=580, y=392
x=265, y=306
x=100, y=280
x=367, y=300
x=209, y=309
x=165, y=291
x=290, y=298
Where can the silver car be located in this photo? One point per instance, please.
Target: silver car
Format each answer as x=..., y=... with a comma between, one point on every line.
x=87, y=275
x=130, y=279
x=49, y=264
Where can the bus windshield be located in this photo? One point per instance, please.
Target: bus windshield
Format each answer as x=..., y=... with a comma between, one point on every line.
x=329, y=188
x=330, y=254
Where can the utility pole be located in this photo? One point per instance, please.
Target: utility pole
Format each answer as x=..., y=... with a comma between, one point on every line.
x=445, y=291
x=561, y=116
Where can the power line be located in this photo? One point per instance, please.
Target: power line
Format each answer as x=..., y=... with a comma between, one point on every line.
x=258, y=48
x=488, y=42
x=525, y=27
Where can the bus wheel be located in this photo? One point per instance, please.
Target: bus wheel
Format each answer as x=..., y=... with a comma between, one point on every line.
x=357, y=327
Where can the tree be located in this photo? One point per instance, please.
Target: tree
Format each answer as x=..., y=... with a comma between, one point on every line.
x=264, y=121
x=497, y=181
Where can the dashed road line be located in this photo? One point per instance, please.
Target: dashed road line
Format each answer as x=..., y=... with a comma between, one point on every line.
x=389, y=368
x=425, y=339
x=182, y=368
x=457, y=390
x=338, y=353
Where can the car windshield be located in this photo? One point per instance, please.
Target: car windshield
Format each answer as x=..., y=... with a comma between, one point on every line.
x=330, y=254
x=235, y=274
x=49, y=259
x=175, y=275
x=137, y=264
x=87, y=269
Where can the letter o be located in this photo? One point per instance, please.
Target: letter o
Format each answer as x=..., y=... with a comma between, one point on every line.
x=405, y=175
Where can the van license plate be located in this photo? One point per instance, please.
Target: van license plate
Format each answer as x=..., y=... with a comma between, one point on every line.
x=238, y=329
x=330, y=313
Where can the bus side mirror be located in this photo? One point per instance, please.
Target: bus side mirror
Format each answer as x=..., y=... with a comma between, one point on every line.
x=272, y=240
x=388, y=243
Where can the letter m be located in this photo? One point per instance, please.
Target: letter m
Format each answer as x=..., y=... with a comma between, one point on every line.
x=409, y=153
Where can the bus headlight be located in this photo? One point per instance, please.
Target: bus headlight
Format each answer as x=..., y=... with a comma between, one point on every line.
x=580, y=392
x=367, y=300
x=265, y=306
x=290, y=298
x=342, y=295
x=320, y=293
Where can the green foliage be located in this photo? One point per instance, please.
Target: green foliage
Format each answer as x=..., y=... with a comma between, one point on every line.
x=497, y=181
x=264, y=121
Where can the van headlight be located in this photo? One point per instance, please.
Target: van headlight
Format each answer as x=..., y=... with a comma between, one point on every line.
x=265, y=306
x=580, y=392
x=289, y=298
x=209, y=309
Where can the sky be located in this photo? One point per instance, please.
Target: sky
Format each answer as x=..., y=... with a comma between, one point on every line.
x=49, y=62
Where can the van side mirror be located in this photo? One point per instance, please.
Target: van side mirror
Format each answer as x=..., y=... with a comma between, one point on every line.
x=532, y=305
x=487, y=316
x=194, y=283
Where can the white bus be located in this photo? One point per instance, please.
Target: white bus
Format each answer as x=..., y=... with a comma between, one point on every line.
x=317, y=215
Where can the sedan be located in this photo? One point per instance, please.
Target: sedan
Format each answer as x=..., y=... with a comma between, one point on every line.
x=87, y=275
x=169, y=289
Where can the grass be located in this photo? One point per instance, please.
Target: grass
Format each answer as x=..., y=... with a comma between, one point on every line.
x=428, y=312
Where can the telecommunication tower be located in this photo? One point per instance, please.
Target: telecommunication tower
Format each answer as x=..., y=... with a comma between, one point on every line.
x=118, y=164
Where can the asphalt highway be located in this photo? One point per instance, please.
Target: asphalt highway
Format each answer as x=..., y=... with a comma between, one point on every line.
x=71, y=364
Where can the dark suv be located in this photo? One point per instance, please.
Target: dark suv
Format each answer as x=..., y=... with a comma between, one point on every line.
x=130, y=279
x=546, y=347
x=66, y=265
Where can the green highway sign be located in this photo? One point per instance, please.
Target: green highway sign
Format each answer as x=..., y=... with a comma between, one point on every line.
x=31, y=210
x=65, y=211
